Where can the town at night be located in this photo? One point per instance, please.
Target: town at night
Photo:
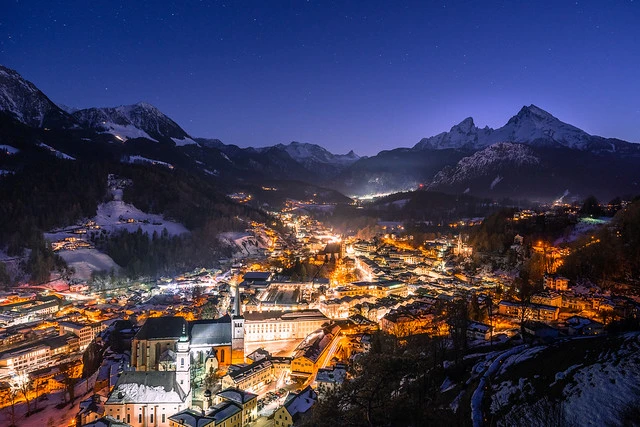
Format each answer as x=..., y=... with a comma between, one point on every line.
x=249, y=214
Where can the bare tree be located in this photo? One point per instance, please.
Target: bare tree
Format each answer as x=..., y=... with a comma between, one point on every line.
x=23, y=385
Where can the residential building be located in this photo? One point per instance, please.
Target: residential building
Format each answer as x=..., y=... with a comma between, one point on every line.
x=295, y=406
x=85, y=332
x=311, y=353
x=538, y=312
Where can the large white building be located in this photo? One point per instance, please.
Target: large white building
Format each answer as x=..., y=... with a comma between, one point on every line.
x=269, y=326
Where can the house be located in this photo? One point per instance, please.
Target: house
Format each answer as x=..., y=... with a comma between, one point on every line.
x=295, y=406
x=538, y=312
x=250, y=377
x=478, y=331
x=577, y=325
x=540, y=330
x=191, y=418
x=312, y=352
x=106, y=422
x=556, y=283
x=248, y=402
x=85, y=332
x=547, y=297
x=328, y=379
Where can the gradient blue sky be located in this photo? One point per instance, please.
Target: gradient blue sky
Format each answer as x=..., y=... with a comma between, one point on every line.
x=362, y=75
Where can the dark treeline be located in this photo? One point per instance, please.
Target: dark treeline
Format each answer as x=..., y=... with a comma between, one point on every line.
x=188, y=198
x=45, y=195
x=613, y=254
x=51, y=192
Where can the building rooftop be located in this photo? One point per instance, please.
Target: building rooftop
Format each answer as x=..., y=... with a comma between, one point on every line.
x=156, y=328
x=211, y=332
x=191, y=418
x=236, y=395
x=223, y=411
x=299, y=403
x=284, y=316
x=147, y=387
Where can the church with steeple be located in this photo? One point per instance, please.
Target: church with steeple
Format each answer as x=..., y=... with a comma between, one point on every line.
x=169, y=356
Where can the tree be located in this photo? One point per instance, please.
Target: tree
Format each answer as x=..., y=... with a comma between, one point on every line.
x=458, y=319
x=209, y=310
x=10, y=394
x=39, y=384
x=22, y=384
x=591, y=207
x=69, y=378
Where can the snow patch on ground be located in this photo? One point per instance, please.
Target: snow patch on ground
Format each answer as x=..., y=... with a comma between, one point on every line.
x=124, y=132
x=495, y=181
x=447, y=385
x=600, y=391
x=86, y=261
x=183, y=141
x=117, y=215
x=58, y=154
x=520, y=357
x=244, y=243
x=9, y=149
x=140, y=159
x=584, y=227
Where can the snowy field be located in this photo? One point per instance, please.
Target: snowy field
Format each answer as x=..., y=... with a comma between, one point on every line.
x=597, y=393
x=8, y=149
x=85, y=261
x=244, y=243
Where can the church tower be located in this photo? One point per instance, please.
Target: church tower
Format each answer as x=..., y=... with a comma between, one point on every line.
x=237, y=332
x=183, y=361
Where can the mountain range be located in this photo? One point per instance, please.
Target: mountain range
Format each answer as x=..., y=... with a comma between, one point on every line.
x=533, y=156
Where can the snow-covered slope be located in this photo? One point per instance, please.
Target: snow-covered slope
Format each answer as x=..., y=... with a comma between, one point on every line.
x=486, y=161
x=532, y=125
x=22, y=100
x=305, y=153
x=140, y=120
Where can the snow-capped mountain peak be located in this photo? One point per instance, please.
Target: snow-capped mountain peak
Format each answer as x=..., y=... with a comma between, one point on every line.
x=22, y=100
x=141, y=120
x=532, y=125
x=303, y=152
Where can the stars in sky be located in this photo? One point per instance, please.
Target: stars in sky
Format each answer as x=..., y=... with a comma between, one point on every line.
x=337, y=74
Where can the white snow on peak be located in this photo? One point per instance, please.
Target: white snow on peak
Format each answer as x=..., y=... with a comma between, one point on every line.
x=532, y=125
x=304, y=152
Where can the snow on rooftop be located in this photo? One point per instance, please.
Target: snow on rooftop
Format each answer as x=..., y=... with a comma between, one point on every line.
x=147, y=394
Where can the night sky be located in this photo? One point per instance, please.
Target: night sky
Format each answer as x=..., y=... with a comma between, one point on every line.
x=362, y=75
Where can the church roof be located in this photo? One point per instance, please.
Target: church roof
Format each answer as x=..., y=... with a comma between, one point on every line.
x=157, y=328
x=211, y=332
x=147, y=387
